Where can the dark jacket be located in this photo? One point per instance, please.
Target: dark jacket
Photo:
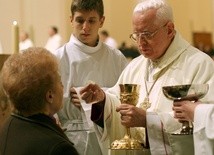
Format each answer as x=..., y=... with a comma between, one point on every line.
x=34, y=135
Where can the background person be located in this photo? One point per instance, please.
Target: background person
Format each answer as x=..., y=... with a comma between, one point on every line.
x=55, y=40
x=25, y=41
x=82, y=59
x=107, y=39
x=166, y=59
x=34, y=87
x=129, y=52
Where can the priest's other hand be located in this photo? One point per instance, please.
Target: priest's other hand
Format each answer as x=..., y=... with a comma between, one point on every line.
x=74, y=98
x=132, y=116
x=92, y=93
x=184, y=110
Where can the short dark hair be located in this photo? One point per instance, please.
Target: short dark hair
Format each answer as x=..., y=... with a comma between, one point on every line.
x=87, y=5
x=105, y=33
x=55, y=29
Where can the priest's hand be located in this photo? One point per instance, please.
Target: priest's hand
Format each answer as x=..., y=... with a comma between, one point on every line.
x=184, y=110
x=92, y=93
x=132, y=116
x=74, y=98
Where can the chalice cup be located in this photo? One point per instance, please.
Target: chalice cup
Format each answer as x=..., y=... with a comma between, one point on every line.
x=190, y=92
x=129, y=93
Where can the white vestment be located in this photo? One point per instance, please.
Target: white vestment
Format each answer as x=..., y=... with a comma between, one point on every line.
x=79, y=64
x=204, y=129
x=181, y=64
x=25, y=44
x=53, y=43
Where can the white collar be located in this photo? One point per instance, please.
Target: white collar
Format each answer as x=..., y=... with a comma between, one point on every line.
x=85, y=48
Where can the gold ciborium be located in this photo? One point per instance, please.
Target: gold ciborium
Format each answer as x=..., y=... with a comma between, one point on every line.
x=129, y=94
x=191, y=92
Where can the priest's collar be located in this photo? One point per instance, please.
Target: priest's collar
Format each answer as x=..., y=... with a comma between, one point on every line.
x=176, y=48
x=154, y=63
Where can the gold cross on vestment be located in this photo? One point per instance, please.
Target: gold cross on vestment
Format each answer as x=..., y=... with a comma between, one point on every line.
x=146, y=104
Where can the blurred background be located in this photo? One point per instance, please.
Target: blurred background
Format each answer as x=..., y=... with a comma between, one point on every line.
x=194, y=19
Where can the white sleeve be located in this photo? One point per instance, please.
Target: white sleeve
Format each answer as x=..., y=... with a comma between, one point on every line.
x=204, y=119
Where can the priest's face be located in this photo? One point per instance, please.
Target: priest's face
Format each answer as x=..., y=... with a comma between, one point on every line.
x=86, y=25
x=152, y=36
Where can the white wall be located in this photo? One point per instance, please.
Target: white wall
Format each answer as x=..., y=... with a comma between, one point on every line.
x=9, y=11
x=33, y=16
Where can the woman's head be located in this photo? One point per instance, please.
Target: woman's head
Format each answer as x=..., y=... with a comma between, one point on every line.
x=5, y=108
x=28, y=78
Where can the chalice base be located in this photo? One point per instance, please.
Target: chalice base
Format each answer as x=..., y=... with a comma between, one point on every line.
x=126, y=143
x=186, y=129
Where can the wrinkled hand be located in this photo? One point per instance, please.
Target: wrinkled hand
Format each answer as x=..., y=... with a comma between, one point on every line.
x=74, y=98
x=184, y=110
x=92, y=93
x=132, y=116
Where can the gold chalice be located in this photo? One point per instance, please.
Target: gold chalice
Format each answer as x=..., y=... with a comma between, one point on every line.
x=191, y=92
x=129, y=93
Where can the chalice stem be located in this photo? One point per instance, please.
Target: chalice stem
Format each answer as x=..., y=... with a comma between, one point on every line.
x=190, y=128
x=128, y=132
x=186, y=129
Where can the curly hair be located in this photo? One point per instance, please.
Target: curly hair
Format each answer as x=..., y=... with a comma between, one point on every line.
x=5, y=108
x=27, y=77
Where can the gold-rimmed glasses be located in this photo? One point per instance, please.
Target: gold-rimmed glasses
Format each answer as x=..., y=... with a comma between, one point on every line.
x=146, y=35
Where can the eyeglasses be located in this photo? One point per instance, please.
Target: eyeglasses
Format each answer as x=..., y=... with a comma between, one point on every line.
x=145, y=35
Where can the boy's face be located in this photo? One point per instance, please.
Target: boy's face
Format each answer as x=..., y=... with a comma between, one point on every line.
x=86, y=25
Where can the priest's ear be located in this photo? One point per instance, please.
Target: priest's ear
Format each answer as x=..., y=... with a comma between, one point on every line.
x=170, y=29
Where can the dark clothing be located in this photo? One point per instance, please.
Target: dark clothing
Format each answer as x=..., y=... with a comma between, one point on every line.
x=97, y=116
x=97, y=113
x=34, y=135
x=130, y=52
